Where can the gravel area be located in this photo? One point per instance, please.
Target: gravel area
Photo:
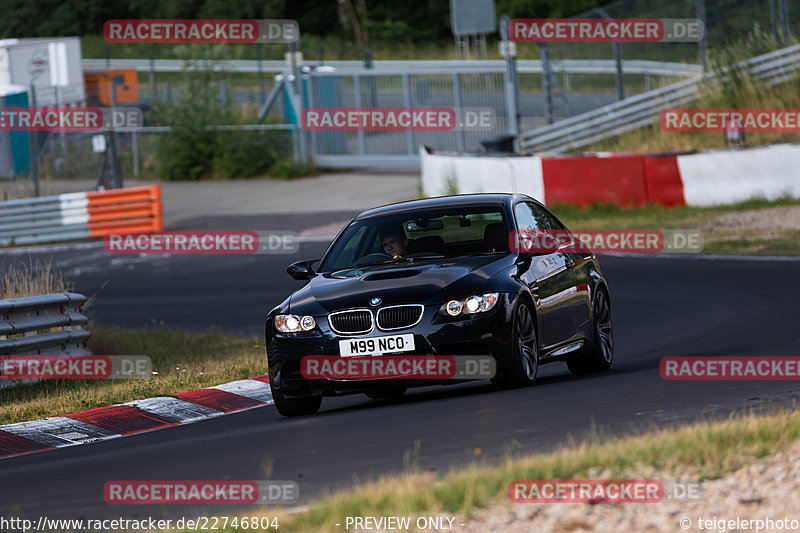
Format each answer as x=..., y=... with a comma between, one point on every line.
x=771, y=219
x=769, y=489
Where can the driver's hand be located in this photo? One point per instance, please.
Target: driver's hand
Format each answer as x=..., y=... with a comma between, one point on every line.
x=397, y=256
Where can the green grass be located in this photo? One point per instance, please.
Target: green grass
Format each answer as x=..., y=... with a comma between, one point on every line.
x=717, y=239
x=704, y=450
x=732, y=88
x=183, y=361
x=601, y=216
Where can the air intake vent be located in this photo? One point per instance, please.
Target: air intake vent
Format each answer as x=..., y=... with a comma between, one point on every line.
x=399, y=316
x=352, y=322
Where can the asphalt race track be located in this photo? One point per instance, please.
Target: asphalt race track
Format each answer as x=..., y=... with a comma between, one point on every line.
x=676, y=306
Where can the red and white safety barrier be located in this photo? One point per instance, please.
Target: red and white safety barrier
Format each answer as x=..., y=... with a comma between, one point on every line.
x=700, y=179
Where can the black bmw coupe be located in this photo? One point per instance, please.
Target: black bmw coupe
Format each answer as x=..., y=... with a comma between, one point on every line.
x=439, y=276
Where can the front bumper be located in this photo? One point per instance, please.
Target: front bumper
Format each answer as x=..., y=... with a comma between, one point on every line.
x=483, y=334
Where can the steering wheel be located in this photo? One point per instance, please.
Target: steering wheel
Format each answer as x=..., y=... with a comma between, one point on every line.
x=373, y=257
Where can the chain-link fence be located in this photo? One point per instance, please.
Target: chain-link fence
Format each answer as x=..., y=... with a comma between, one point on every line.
x=414, y=89
x=71, y=155
x=765, y=24
x=729, y=23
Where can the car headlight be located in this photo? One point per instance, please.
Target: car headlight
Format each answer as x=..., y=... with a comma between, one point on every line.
x=294, y=323
x=453, y=307
x=470, y=306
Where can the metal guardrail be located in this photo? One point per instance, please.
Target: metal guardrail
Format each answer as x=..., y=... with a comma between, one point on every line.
x=571, y=66
x=80, y=215
x=50, y=324
x=28, y=220
x=644, y=109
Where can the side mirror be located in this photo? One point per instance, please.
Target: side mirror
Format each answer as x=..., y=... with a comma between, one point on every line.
x=302, y=270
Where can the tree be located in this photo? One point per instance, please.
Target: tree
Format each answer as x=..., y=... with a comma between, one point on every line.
x=355, y=18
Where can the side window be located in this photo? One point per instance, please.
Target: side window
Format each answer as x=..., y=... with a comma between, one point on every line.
x=547, y=218
x=357, y=246
x=529, y=217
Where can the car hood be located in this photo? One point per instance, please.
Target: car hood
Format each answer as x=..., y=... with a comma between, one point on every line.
x=420, y=282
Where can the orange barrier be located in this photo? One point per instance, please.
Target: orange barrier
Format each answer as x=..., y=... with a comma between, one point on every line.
x=132, y=210
x=149, y=193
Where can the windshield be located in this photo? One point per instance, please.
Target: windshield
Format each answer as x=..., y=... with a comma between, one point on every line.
x=430, y=233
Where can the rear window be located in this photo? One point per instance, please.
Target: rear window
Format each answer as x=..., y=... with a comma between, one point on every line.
x=453, y=231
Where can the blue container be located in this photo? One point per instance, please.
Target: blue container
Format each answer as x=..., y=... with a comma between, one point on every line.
x=20, y=151
x=291, y=117
x=332, y=142
x=326, y=95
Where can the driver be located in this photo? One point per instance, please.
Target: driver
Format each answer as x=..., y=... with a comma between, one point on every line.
x=395, y=242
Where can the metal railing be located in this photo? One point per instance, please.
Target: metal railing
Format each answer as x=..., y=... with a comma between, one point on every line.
x=80, y=215
x=643, y=109
x=571, y=66
x=51, y=324
x=51, y=218
x=367, y=89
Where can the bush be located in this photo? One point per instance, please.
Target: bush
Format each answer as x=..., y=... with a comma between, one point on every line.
x=734, y=85
x=242, y=154
x=193, y=150
x=285, y=168
x=187, y=152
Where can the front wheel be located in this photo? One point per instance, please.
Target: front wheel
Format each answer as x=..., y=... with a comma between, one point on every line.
x=525, y=352
x=295, y=406
x=601, y=353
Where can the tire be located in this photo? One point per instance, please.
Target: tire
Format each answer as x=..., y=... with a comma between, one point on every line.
x=387, y=393
x=601, y=354
x=295, y=406
x=525, y=352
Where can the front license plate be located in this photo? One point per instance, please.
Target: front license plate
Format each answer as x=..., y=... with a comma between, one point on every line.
x=377, y=345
